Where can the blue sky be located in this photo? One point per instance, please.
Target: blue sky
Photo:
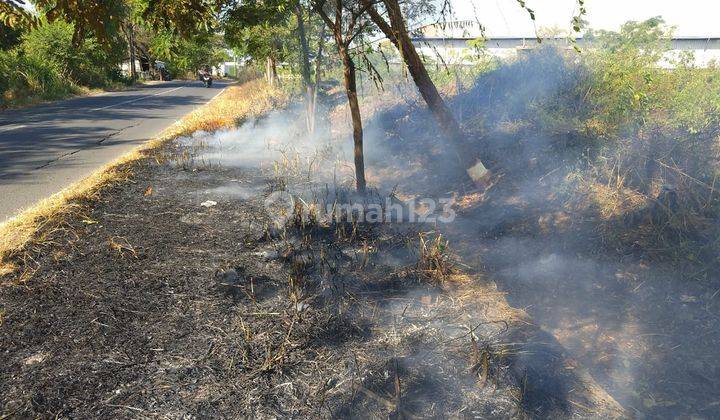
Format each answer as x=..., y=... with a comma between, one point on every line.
x=505, y=17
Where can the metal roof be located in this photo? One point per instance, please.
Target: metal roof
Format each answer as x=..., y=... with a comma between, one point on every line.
x=524, y=38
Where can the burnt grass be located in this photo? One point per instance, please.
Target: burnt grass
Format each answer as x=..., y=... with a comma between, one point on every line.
x=632, y=295
x=152, y=305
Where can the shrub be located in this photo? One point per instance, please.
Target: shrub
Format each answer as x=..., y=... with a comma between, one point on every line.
x=86, y=64
x=658, y=116
x=628, y=131
x=29, y=78
x=47, y=65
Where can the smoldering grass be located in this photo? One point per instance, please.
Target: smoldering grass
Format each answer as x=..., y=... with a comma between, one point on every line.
x=435, y=261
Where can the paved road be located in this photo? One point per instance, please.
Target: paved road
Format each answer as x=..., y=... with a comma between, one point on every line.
x=47, y=147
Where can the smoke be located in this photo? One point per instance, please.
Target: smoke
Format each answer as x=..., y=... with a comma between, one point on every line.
x=258, y=142
x=524, y=233
x=539, y=238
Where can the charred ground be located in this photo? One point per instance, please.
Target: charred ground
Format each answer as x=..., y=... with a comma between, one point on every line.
x=159, y=306
x=153, y=304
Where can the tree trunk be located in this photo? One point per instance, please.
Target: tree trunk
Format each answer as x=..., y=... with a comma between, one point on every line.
x=318, y=59
x=397, y=33
x=316, y=84
x=351, y=90
x=268, y=71
x=350, y=78
x=304, y=48
x=131, y=42
x=271, y=71
x=305, y=68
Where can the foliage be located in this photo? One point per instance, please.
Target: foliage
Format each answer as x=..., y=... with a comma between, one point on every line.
x=638, y=84
x=626, y=73
x=184, y=56
x=13, y=14
x=28, y=78
x=694, y=104
x=624, y=135
x=47, y=65
x=100, y=19
x=86, y=64
x=261, y=30
x=183, y=17
x=9, y=37
x=260, y=40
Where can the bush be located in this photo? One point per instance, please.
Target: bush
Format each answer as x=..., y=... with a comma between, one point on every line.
x=86, y=64
x=655, y=118
x=29, y=78
x=628, y=132
x=46, y=65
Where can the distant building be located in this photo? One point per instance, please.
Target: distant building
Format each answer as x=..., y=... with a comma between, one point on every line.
x=452, y=41
x=233, y=65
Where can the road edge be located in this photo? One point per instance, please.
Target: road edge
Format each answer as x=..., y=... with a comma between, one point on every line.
x=28, y=231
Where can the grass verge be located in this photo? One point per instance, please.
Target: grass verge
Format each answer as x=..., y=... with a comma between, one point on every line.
x=28, y=232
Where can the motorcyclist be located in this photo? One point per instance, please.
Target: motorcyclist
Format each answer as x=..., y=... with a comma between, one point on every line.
x=206, y=76
x=162, y=70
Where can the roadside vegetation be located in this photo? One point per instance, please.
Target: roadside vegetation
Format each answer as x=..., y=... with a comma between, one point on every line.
x=49, y=60
x=44, y=64
x=644, y=124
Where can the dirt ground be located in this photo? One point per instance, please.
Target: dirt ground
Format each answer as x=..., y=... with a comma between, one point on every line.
x=605, y=295
x=645, y=329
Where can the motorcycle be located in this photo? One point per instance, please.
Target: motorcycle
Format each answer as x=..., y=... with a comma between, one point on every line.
x=207, y=80
x=165, y=75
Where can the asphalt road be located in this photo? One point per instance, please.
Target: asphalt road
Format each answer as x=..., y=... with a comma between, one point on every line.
x=47, y=147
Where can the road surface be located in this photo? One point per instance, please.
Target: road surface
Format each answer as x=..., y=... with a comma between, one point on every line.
x=47, y=147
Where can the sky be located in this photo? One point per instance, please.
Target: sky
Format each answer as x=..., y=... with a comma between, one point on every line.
x=505, y=17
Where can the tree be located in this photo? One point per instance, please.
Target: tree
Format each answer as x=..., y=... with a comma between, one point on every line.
x=395, y=29
x=275, y=30
x=259, y=29
x=308, y=86
x=312, y=107
x=184, y=56
x=346, y=24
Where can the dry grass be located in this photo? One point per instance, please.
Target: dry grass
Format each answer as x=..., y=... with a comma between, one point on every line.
x=613, y=202
x=28, y=232
x=435, y=262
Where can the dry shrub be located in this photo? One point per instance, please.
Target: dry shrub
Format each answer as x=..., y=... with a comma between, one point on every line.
x=43, y=224
x=436, y=262
x=612, y=202
x=655, y=193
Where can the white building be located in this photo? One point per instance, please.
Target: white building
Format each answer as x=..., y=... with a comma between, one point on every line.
x=453, y=43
